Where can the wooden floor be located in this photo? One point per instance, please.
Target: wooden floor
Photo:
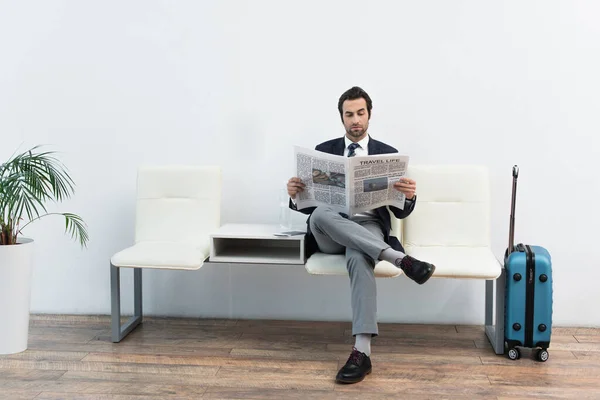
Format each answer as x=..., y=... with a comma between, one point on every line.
x=72, y=357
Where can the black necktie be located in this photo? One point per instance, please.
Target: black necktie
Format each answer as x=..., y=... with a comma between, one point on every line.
x=352, y=148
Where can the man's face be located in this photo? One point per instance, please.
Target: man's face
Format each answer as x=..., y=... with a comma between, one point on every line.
x=356, y=119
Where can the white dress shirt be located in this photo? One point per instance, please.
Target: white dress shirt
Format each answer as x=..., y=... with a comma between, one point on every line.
x=363, y=150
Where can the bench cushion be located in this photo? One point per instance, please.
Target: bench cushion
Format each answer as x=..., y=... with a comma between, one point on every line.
x=450, y=226
x=335, y=264
x=458, y=261
x=183, y=201
x=162, y=255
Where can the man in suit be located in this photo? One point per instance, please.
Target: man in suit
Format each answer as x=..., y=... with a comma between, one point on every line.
x=364, y=238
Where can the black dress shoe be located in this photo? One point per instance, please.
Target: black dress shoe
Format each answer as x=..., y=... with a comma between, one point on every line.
x=418, y=271
x=357, y=367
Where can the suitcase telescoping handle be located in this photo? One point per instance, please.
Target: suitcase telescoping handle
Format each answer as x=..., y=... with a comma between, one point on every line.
x=511, y=234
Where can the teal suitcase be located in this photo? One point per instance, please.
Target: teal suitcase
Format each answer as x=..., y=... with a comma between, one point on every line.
x=528, y=301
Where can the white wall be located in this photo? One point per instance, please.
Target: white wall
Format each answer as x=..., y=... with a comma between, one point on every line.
x=116, y=84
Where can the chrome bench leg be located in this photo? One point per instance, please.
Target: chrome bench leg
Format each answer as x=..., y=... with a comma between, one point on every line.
x=494, y=327
x=118, y=332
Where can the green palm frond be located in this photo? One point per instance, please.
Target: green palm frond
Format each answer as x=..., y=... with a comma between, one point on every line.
x=27, y=182
x=76, y=228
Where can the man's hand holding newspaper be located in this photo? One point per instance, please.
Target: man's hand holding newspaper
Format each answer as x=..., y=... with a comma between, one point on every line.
x=352, y=185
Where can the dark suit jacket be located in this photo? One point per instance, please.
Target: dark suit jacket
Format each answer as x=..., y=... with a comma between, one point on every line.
x=337, y=146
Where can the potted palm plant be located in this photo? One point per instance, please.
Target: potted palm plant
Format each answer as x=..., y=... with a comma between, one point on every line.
x=28, y=181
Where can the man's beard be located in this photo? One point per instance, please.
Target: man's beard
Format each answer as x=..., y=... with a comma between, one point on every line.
x=356, y=133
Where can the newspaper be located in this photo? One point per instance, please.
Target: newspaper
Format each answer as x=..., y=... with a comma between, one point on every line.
x=351, y=184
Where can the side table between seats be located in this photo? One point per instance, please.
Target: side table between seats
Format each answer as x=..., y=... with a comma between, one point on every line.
x=255, y=244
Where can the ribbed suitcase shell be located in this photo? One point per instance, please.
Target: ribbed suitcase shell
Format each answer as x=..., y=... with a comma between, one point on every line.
x=528, y=313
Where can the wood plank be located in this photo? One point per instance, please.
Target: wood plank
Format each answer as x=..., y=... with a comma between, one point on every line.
x=288, y=354
x=416, y=372
x=422, y=359
x=457, y=343
x=422, y=390
x=37, y=355
x=104, y=321
x=78, y=396
x=258, y=381
x=190, y=322
x=430, y=388
x=209, y=361
x=533, y=379
x=297, y=337
x=575, y=346
x=562, y=339
x=148, y=330
x=275, y=327
x=250, y=380
x=277, y=373
x=136, y=377
x=586, y=355
x=69, y=318
x=97, y=346
x=75, y=337
x=86, y=386
x=72, y=321
x=21, y=374
x=66, y=330
x=185, y=331
x=542, y=369
x=292, y=324
x=19, y=394
x=307, y=331
x=587, y=338
x=276, y=342
x=533, y=392
x=269, y=394
x=207, y=340
x=575, y=331
x=109, y=367
x=470, y=329
x=277, y=394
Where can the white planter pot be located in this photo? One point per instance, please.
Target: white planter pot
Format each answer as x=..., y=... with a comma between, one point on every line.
x=16, y=265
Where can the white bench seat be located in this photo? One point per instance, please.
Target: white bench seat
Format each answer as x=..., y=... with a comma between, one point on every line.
x=335, y=264
x=450, y=262
x=458, y=262
x=162, y=255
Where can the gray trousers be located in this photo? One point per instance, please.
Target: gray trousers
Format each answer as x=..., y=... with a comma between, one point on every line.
x=361, y=238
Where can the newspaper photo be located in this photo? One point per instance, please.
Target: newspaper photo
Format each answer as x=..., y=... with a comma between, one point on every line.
x=351, y=184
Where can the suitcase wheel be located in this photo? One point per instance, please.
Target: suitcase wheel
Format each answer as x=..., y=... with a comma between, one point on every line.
x=542, y=355
x=514, y=353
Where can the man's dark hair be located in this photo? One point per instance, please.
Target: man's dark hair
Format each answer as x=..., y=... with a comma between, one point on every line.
x=353, y=94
